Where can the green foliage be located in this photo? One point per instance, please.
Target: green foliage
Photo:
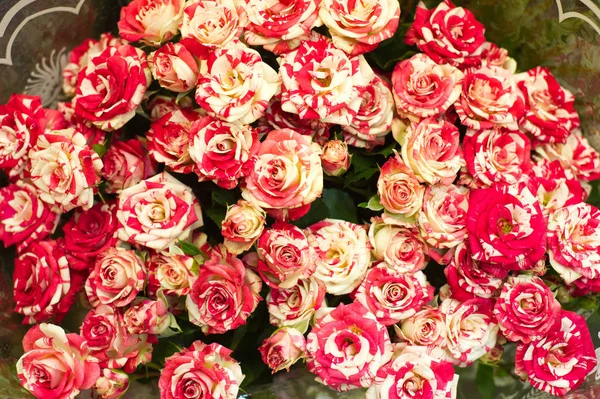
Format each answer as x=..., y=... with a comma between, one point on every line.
x=485, y=381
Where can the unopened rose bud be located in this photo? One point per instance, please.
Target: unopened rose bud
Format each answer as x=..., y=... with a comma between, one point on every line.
x=335, y=158
x=282, y=349
x=493, y=357
x=112, y=384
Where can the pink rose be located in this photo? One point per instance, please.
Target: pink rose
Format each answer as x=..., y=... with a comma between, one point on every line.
x=335, y=158
x=43, y=286
x=201, y=371
x=347, y=347
x=112, y=384
x=243, y=98
x=157, y=212
x=553, y=189
x=172, y=273
x=223, y=295
x=373, y=119
x=169, y=140
x=174, y=67
x=65, y=170
x=296, y=306
x=284, y=256
x=490, y=97
x=550, y=109
x=493, y=55
x=432, y=150
x=560, y=361
x=213, y=23
x=391, y=295
x=526, y=309
x=321, y=82
x=497, y=155
x=223, y=152
x=55, y=364
x=279, y=26
x=122, y=70
x=398, y=246
x=343, y=254
x=283, y=349
x=577, y=156
x=161, y=105
x=506, y=227
x=422, y=88
x=358, y=29
x=146, y=316
x=471, y=329
x=427, y=328
x=126, y=163
x=243, y=225
x=118, y=276
x=415, y=373
x=23, y=217
x=88, y=233
x=448, y=34
x=150, y=21
x=279, y=119
x=443, y=219
x=287, y=173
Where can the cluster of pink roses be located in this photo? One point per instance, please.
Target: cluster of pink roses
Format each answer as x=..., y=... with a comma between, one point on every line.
x=489, y=180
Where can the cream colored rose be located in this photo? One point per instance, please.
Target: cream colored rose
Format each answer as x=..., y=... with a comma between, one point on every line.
x=212, y=23
x=443, y=220
x=400, y=247
x=244, y=222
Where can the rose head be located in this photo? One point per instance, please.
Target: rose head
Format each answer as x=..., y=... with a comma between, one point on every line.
x=126, y=163
x=282, y=349
x=399, y=190
x=335, y=158
x=426, y=328
x=112, y=384
x=554, y=190
x=170, y=272
x=400, y=247
x=243, y=225
x=174, y=67
x=443, y=219
x=212, y=23
x=278, y=119
x=150, y=21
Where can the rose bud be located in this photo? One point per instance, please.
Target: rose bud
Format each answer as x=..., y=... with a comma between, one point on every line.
x=150, y=21
x=283, y=348
x=112, y=384
x=335, y=159
x=243, y=224
x=174, y=67
x=493, y=357
x=147, y=317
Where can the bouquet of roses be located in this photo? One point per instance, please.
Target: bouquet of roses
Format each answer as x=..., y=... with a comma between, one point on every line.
x=235, y=179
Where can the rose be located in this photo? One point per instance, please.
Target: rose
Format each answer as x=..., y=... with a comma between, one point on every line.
x=55, y=364
x=489, y=97
x=321, y=82
x=550, y=109
x=343, y=254
x=335, y=159
x=43, y=286
x=577, y=156
x=92, y=134
x=161, y=105
x=560, y=361
x=574, y=242
x=284, y=256
x=427, y=328
x=201, y=371
x=493, y=55
x=432, y=150
x=448, y=34
x=279, y=119
x=223, y=295
x=399, y=190
x=526, y=309
x=373, y=119
x=237, y=84
x=126, y=163
x=287, y=173
x=112, y=384
x=243, y=225
x=147, y=317
x=214, y=24
x=172, y=273
x=347, y=347
x=443, y=219
x=422, y=88
x=278, y=26
x=549, y=182
x=23, y=217
x=415, y=373
x=469, y=278
x=222, y=151
x=358, y=29
x=118, y=275
x=283, y=349
x=174, y=67
x=391, y=295
x=506, y=227
x=295, y=306
x=111, y=86
x=21, y=122
x=398, y=246
x=81, y=55
x=151, y=21
x=497, y=155
x=157, y=212
x=169, y=140
x=65, y=170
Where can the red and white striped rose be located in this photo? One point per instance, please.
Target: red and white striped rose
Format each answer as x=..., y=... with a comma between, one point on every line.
x=150, y=21
x=243, y=224
x=443, y=219
x=398, y=246
x=126, y=163
x=174, y=67
x=213, y=23
x=283, y=348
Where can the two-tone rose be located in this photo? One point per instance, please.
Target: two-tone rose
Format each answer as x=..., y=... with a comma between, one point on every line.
x=150, y=21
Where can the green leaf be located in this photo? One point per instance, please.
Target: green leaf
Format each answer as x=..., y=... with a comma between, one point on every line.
x=238, y=335
x=363, y=168
x=318, y=211
x=189, y=248
x=373, y=204
x=216, y=214
x=485, y=381
x=224, y=197
x=386, y=151
x=100, y=149
x=339, y=205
